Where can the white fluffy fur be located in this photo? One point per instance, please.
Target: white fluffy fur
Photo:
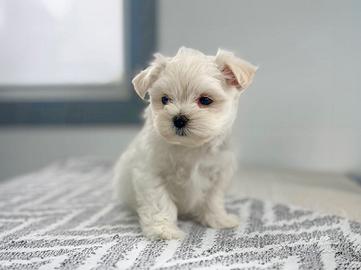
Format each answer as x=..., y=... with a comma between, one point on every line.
x=163, y=175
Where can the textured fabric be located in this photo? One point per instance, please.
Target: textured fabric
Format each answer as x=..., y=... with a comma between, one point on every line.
x=63, y=217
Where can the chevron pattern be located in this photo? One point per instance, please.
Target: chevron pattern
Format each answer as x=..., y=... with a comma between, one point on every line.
x=63, y=217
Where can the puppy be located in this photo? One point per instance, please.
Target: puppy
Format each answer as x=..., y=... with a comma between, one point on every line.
x=181, y=162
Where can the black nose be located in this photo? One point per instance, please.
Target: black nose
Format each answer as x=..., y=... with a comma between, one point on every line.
x=180, y=121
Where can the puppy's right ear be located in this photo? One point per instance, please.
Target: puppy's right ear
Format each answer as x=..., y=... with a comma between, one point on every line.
x=144, y=80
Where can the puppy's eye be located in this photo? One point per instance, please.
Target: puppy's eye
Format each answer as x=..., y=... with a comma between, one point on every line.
x=165, y=100
x=205, y=101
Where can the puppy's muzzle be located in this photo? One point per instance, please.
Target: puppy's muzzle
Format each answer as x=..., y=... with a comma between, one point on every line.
x=180, y=121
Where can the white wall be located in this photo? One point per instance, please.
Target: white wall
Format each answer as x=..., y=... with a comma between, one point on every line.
x=303, y=110
x=23, y=150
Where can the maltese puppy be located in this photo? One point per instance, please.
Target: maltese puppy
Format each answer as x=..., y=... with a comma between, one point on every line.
x=181, y=162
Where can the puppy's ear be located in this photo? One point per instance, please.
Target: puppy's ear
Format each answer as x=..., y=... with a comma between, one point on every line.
x=144, y=80
x=237, y=72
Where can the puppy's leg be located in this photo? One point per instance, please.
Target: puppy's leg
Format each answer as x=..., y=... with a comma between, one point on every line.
x=212, y=212
x=157, y=212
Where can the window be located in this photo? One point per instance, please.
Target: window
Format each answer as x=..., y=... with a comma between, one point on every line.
x=66, y=61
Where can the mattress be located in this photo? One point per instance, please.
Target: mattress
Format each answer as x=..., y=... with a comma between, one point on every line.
x=64, y=217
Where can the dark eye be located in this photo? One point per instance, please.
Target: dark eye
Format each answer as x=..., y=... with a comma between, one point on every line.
x=205, y=101
x=165, y=100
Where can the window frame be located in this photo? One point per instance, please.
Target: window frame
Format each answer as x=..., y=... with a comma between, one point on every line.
x=140, y=38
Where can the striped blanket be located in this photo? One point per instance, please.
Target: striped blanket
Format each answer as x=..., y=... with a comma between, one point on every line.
x=64, y=217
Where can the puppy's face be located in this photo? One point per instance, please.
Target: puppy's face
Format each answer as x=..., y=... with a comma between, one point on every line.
x=194, y=97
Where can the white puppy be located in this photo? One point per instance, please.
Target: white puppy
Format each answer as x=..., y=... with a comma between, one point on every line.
x=181, y=161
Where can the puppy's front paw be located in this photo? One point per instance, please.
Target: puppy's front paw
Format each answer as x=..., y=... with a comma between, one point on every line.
x=224, y=221
x=163, y=231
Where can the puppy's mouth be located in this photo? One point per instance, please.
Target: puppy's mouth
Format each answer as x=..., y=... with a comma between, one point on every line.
x=183, y=137
x=182, y=132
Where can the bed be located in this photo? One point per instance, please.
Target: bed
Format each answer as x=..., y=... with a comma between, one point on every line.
x=64, y=217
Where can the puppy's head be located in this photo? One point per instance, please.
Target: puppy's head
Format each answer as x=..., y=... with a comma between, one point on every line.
x=194, y=97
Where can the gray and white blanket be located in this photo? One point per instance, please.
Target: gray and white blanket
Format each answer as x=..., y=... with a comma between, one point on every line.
x=63, y=217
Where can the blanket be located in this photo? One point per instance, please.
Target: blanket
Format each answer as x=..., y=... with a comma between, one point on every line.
x=64, y=217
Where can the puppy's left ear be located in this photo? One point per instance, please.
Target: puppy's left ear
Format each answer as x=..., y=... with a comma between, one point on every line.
x=237, y=72
x=144, y=80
